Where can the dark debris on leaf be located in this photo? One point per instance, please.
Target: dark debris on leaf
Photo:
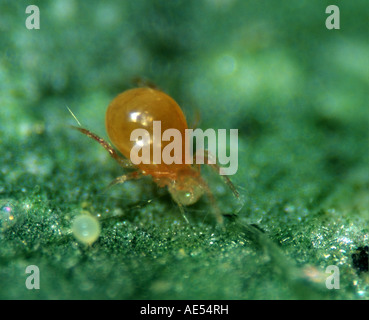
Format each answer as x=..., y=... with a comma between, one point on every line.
x=360, y=259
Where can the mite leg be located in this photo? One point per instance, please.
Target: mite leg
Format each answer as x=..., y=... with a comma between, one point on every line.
x=125, y=163
x=180, y=206
x=125, y=177
x=212, y=200
x=144, y=83
x=225, y=178
x=216, y=168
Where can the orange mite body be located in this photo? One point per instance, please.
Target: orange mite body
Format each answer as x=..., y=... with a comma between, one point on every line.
x=139, y=108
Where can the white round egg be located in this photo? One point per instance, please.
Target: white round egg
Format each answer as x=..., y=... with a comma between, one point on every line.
x=86, y=229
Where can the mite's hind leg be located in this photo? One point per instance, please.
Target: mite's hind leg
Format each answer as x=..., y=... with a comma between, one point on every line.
x=216, y=210
x=180, y=206
x=125, y=163
x=213, y=164
x=125, y=177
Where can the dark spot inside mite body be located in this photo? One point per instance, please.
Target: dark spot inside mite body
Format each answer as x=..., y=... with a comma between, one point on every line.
x=360, y=259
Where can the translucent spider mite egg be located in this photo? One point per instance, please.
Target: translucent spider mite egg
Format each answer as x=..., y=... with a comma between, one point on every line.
x=141, y=108
x=86, y=229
